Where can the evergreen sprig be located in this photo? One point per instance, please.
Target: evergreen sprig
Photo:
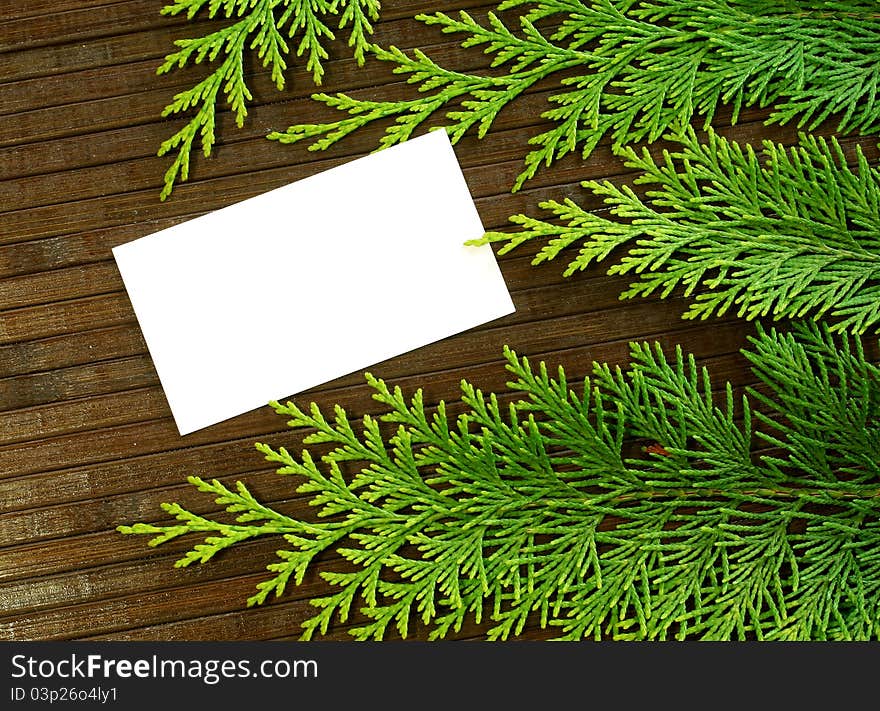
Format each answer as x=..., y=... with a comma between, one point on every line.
x=783, y=232
x=263, y=26
x=542, y=511
x=641, y=68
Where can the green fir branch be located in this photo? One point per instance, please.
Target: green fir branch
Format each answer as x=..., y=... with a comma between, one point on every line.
x=784, y=232
x=641, y=69
x=271, y=28
x=541, y=510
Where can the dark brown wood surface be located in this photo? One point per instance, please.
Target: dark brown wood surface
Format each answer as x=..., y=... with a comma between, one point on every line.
x=86, y=437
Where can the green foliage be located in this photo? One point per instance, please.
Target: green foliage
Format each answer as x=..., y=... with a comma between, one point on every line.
x=640, y=68
x=264, y=26
x=787, y=233
x=544, y=511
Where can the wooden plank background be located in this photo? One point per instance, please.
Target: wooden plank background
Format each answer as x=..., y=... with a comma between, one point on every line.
x=86, y=438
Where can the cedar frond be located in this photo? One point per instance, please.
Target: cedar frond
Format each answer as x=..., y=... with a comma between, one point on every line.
x=784, y=232
x=261, y=26
x=640, y=69
x=540, y=512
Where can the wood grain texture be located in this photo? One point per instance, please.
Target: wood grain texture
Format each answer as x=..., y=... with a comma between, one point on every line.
x=86, y=437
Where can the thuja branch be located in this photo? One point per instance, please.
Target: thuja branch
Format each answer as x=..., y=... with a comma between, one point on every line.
x=641, y=69
x=264, y=27
x=535, y=511
x=783, y=232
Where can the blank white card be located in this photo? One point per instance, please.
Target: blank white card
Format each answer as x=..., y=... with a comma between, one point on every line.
x=323, y=277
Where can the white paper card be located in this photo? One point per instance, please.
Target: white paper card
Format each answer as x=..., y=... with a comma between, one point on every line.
x=323, y=277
